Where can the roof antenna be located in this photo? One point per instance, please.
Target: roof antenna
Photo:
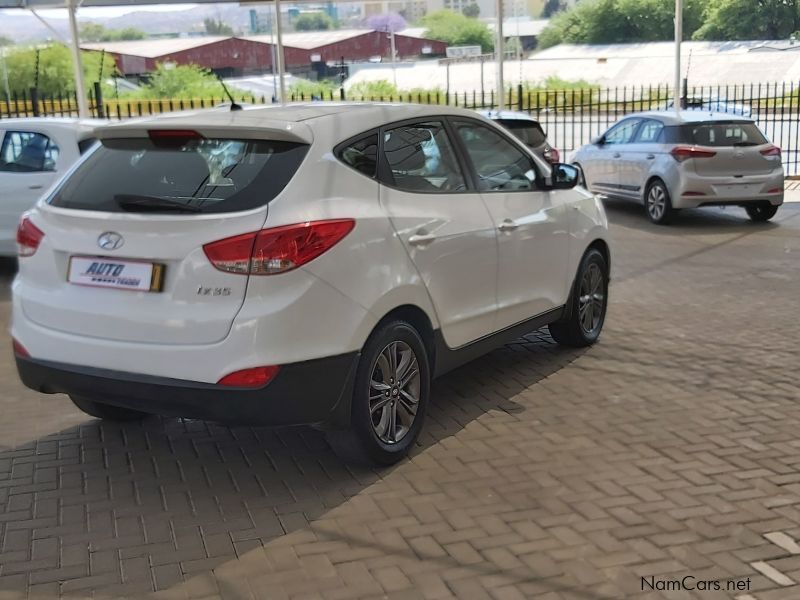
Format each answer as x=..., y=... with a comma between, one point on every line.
x=234, y=105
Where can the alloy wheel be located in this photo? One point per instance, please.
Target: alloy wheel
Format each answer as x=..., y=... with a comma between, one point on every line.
x=656, y=202
x=394, y=392
x=592, y=299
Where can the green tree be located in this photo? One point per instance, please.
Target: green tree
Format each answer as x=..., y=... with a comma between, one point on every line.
x=6, y=41
x=91, y=32
x=181, y=81
x=551, y=7
x=314, y=21
x=217, y=27
x=620, y=21
x=94, y=32
x=457, y=30
x=472, y=11
x=379, y=88
x=749, y=20
x=55, y=69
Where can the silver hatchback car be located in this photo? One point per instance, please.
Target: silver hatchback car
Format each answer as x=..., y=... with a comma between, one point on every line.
x=669, y=162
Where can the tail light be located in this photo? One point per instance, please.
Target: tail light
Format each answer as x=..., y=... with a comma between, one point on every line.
x=29, y=236
x=19, y=349
x=250, y=378
x=552, y=155
x=682, y=153
x=277, y=250
x=771, y=151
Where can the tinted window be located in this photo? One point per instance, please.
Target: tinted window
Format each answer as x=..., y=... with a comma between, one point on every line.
x=529, y=132
x=362, y=155
x=499, y=164
x=622, y=133
x=716, y=133
x=84, y=145
x=27, y=152
x=420, y=158
x=196, y=175
x=649, y=132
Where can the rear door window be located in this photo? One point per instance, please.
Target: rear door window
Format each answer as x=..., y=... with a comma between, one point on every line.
x=649, y=132
x=27, y=152
x=192, y=175
x=529, y=132
x=420, y=158
x=622, y=133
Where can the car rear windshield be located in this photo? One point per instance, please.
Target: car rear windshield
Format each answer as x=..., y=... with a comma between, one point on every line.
x=716, y=133
x=198, y=175
x=530, y=133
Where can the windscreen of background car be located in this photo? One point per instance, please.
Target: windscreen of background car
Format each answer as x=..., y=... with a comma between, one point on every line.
x=531, y=134
x=716, y=133
x=197, y=175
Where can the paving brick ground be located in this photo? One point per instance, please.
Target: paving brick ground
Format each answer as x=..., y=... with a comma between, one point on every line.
x=669, y=449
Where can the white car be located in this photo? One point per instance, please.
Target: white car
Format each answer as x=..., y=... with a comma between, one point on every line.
x=34, y=153
x=323, y=276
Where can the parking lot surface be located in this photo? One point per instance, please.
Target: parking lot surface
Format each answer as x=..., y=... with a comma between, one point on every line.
x=668, y=450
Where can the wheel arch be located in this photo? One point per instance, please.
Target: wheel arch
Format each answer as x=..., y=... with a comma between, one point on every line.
x=652, y=178
x=420, y=320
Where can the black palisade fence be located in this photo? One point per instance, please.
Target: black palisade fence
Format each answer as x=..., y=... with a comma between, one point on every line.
x=571, y=117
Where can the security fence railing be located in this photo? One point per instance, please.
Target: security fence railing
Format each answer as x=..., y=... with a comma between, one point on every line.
x=571, y=117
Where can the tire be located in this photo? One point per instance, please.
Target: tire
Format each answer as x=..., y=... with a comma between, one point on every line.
x=581, y=328
x=761, y=212
x=373, y=437
x=107, y=412
x=657, y=203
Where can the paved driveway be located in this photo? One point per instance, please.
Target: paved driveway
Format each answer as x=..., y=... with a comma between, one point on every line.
x=670, y=449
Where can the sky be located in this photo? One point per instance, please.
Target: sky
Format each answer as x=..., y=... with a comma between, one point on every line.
x=105, y=11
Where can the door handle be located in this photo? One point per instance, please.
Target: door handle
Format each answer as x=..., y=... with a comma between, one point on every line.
x=617, y=155
x=421, y=239
x=651, y=156
x=507, y=225
x=35, y=187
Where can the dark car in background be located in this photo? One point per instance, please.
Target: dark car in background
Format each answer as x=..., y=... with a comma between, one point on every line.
x=527, y=129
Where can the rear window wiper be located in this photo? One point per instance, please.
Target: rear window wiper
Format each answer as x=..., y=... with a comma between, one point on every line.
x=135, y=203
x=741, y=144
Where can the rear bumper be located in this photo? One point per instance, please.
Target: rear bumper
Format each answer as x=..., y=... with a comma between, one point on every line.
x=693, y=190
x=310, y=392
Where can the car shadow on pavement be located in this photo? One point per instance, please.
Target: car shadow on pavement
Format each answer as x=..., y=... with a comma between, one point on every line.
x=128, y=509
x=688, y=221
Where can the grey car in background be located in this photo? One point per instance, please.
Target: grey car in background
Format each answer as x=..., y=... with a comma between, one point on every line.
x=669, y=161
x=527, y=129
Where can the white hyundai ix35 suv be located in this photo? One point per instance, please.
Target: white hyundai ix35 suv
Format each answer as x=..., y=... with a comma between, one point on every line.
x=314, y=264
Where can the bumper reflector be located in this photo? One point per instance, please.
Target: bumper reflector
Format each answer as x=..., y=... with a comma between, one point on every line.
x=250, y=378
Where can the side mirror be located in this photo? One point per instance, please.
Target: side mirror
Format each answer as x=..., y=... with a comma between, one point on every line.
x=563, y=177
x=598, y=141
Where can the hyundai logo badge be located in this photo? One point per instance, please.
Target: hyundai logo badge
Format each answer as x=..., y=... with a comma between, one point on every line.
x=110, y=240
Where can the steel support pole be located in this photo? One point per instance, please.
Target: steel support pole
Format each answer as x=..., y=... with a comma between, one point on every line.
x=75, y=46
x=678, y=39
x=280, y=55
x=500, y=53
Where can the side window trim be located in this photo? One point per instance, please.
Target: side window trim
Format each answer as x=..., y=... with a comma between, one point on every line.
x=385, y=176
x=473, y=172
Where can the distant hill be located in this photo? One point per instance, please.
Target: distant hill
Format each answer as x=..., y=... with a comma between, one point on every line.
x=22, y=27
